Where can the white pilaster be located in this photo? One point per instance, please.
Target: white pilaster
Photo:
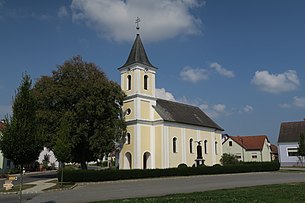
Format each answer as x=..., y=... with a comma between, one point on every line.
x=152, y=146
x=184, y=144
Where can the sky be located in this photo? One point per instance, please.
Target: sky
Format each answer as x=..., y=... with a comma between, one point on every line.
x=241, y=61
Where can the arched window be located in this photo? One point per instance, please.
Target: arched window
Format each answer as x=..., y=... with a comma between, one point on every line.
x=205, y=146
x=128, y=138
x=174, y=145
x=216, y=151
x=128, y=161
x=129, y=82
x=145, y=82
x=191, y=145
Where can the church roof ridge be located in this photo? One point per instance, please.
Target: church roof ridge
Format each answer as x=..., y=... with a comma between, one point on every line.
x=137, y=54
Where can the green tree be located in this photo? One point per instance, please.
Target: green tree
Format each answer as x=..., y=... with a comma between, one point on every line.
x=93, y=103
x=301, y=150
x=62, y=147
x=20, y=141
x=227, y=159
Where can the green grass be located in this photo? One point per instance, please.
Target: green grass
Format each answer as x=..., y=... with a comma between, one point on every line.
x=283, y=193
x=65, y=185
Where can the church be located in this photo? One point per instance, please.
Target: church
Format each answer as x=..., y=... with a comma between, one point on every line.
x=162, y=133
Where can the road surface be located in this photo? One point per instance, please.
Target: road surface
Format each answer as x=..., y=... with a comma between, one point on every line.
x=161, y=186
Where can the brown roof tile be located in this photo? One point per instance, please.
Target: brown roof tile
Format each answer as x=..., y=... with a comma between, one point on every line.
x=274, y=149
x=250, y=142
x=1, y=125
x=290, y=131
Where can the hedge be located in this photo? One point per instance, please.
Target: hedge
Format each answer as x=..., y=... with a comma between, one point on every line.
x=111, y=174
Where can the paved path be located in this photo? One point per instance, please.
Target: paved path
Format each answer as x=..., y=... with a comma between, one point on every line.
x=40, y=186
x=163, y=186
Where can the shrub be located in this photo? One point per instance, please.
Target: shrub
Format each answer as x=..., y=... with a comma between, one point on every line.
x=227, y=159
x=110, y=175
x=183, y=165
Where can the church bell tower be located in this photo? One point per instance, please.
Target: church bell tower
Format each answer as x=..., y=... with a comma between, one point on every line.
x=138, y=83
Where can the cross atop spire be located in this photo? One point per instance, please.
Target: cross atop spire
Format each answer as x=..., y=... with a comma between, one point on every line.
x=138, y=20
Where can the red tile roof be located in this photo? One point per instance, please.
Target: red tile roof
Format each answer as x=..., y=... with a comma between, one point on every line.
x=250, y=142
x=1, y=125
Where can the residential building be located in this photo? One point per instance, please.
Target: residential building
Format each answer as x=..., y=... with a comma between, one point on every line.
x=288, y=142
x=248, y=148
x=162, y=133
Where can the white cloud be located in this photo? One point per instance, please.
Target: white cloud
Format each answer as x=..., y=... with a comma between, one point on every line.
x=62, y=12
x=276, y=83
x=299, y=102
x=163, y=94
x=222, y=71
x=160, y=19
x=193, y=74
x=285, y=106
x=246, y=109
x=45, y=17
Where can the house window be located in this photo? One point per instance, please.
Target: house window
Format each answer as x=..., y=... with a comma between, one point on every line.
x=205, y=146
x=216, y=146
x=238, y=155
x=174, y=145
x=254, y=156
x=230, y=143
x=128, y=138
x=292, y=151
x=129, y=82
x=191, y=145
x=145, y=82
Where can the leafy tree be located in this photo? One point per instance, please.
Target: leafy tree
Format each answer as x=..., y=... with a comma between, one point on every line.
x=93, y=103
x=62, y=147
x=227, y=159
x=20, y=141
x=301, y=150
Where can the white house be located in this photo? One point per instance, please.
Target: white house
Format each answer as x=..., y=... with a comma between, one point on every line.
x=288, y=142
x=248, y=148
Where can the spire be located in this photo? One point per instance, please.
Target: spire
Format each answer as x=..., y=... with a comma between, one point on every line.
x=137, y=53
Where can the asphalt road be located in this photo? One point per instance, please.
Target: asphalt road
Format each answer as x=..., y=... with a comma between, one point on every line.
x=159, y=187
x=31, y=177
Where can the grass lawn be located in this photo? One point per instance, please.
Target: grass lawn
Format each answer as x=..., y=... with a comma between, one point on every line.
x=283, y=193
x=65, y=185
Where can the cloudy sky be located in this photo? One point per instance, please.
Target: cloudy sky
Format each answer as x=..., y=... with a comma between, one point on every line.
x=242, y=62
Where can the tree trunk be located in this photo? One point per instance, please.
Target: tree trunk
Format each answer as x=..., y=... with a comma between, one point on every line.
x=83, y=165
x=62, y=173
x=21, y=182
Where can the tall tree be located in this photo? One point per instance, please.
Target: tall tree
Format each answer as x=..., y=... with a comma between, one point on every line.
x=93, y=103
x=301, y=150
x=62, y=147
x=21, y=141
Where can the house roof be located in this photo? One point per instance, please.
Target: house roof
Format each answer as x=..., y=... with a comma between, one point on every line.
x=290, y=131
x=137, y=54
x=274, y=149
x=255, y=142
x=183, y=113
x=1, y=125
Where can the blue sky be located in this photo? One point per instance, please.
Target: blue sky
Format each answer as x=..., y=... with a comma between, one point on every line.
x=242, y=62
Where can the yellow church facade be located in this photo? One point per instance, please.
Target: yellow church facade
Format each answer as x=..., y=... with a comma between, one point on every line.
x=161, y=133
